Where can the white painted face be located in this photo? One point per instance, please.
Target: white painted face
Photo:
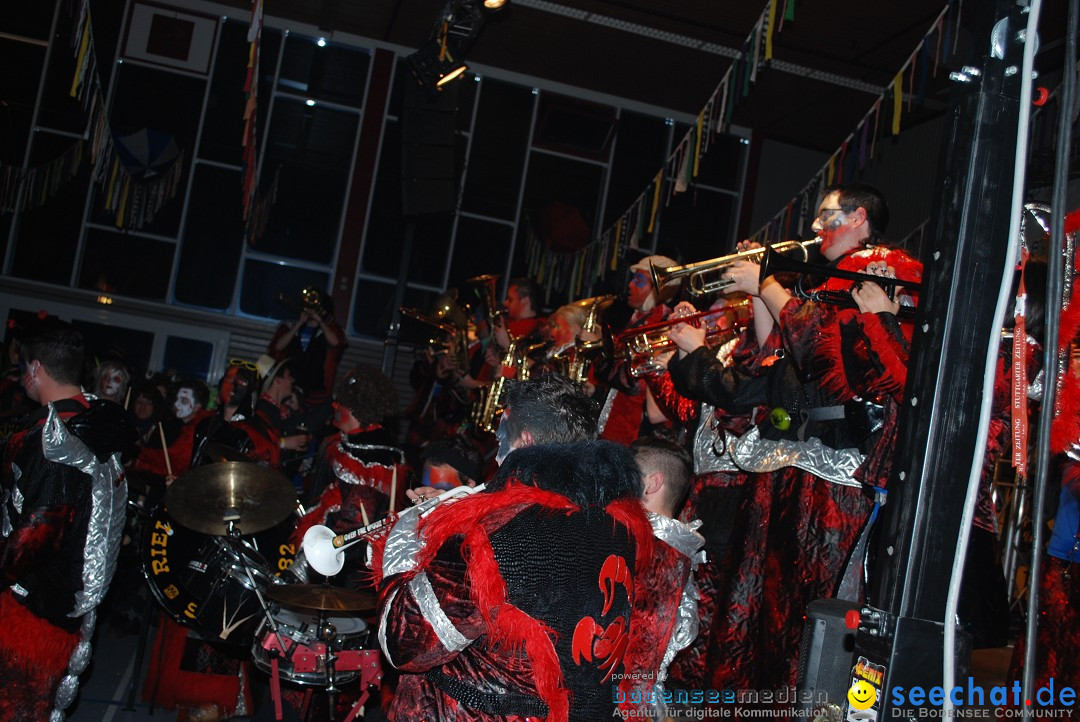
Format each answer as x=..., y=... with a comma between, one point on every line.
x=112, y=384
x=185, y=404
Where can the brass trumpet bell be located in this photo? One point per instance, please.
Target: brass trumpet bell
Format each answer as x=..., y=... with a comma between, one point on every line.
x=705, y=277
x=447, y=309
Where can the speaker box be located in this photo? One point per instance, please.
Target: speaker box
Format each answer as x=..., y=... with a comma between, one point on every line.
x=826, y=654
x=428, y=175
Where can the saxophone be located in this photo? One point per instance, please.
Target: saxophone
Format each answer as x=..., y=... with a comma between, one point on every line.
x=486, y=410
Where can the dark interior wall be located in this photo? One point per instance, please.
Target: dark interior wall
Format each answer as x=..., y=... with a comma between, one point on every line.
x=904, y=168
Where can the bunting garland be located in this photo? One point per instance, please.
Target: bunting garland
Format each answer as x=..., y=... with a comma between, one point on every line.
x=135, y=186
x=842, y=165
x=640, y=220
x=255, y=211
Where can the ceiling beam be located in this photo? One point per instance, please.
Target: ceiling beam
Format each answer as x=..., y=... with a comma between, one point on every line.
x=696, y=44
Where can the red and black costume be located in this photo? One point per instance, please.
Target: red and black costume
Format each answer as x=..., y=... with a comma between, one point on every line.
x=64, y=499
x=666, y=604
x=718, y=495
x=623, y=412
x=314, y=364
x=519, y=602
x=354, y=470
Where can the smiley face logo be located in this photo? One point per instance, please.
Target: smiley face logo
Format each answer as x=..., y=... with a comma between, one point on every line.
x=862, y=695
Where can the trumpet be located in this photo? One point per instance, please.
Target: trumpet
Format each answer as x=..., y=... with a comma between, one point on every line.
x=700, y=283
x=310, y=300
x=774, y=263
x=325, y=551
x=449, y=318
x=486, y=290
x=641, y=346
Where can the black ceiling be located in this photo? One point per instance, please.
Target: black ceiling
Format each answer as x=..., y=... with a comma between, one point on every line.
x=830, y=62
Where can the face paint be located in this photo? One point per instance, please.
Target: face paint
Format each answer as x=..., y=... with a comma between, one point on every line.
x=185, y=404
x=639, y=289
x=113, y=384
x=441, y=476
x=502, y=435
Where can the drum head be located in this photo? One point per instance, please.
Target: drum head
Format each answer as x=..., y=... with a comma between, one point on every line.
x=203, y=581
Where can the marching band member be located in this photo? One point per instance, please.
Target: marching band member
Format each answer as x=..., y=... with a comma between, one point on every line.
x=517, y=602
x=361, y=473
x=623, y=413
x=62, y=516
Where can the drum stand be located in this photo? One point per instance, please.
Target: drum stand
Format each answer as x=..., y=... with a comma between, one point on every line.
x=234, y=538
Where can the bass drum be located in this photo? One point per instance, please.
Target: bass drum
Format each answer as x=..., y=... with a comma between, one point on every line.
x=203, y=581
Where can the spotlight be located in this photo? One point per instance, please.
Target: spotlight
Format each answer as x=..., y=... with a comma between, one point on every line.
x=451, y=74
x=441, y=59
x=494, y=4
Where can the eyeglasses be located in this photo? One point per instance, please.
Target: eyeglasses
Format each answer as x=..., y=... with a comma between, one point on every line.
x=243, y=364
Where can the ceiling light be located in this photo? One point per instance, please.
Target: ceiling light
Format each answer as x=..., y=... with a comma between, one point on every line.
x=321, y=42
x=451, y=74
x=309, y=102
x=494, y=4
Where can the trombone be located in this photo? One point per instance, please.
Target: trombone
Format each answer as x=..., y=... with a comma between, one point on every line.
x=774, y=263
x=700, y=282
x=640, y=346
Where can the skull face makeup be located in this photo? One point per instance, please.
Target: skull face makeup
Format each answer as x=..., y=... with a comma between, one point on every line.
x=184, y=406
x=112, y=384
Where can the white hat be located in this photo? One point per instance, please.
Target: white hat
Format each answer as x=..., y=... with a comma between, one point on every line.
x=658, y=261
x=268, y=369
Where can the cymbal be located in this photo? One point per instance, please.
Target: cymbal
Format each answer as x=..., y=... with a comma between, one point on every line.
x=207, y=498
x=216, y=451
x=322, y=598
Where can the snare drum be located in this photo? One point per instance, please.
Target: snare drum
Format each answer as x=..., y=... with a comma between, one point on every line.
x=303, y=660
x=202, y=581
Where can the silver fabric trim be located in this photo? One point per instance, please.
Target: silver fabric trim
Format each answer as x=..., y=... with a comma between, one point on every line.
x=754, y=454
x=56, y=716
x=80, y=657
x=77, y=663
x=17, y=498
x=403, y=544
x=680, y=536
x=65, y=692
x=350, y=478
x=683, y=538
x=19, y=589
x=108, y=500
x=1035, y=388
x=424, y=593
x=605, y=412
x=710, y=451
x=686, y=627
x=382, y=627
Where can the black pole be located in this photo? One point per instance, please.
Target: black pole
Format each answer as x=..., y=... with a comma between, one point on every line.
x=903, y=631
x=394, y=330
x=1057, y=266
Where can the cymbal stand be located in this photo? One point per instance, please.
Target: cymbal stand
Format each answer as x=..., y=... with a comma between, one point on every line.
x=328, y=635
x=237, y=541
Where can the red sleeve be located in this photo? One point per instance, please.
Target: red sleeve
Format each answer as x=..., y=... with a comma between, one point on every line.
x=410, y=641
x=333, y=357
x=674, y=405
x=890, y=352
x=34, y=541
x=272, y=350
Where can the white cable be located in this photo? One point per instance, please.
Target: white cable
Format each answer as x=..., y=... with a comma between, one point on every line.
x=1004, y=294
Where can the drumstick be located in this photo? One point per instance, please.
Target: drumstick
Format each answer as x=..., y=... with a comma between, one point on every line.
x=363, y=514
x=127, y=397
x=164, y=448
x=393, y=488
